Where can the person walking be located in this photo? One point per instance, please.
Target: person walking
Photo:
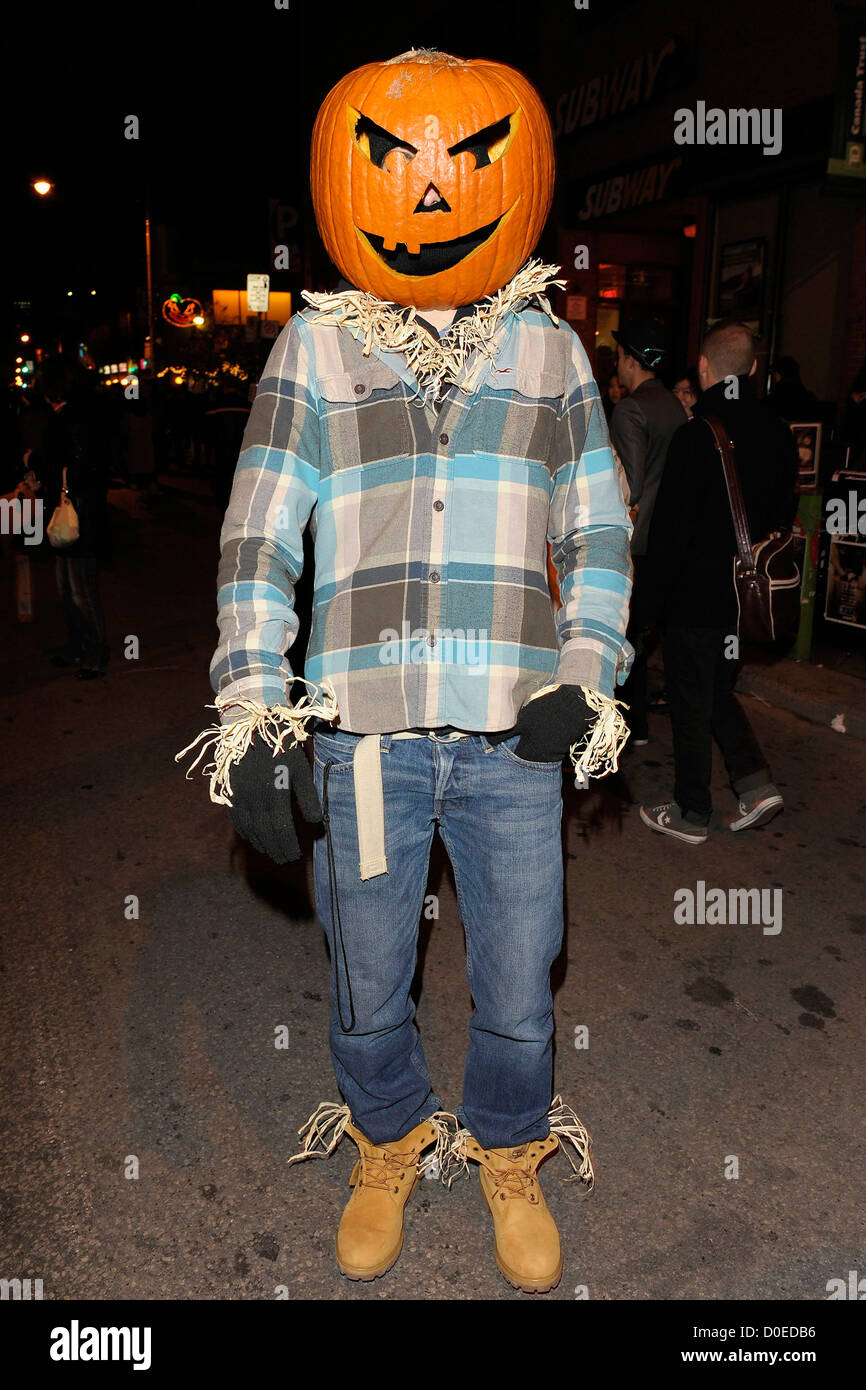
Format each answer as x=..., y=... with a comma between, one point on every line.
x=691, y=586
x=74, y=439
x=641, y=428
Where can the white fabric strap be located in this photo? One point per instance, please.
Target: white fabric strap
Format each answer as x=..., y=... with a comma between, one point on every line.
x=369, y=806
x=370, y=799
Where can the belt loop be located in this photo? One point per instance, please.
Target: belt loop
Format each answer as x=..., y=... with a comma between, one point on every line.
x=385, y=742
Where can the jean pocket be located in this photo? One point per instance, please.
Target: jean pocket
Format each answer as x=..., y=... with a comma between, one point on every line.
x=334, y=746
x=506, y=748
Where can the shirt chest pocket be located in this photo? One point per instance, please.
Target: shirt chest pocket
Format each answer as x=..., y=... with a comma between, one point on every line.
x=515, y=416
x=363, y=416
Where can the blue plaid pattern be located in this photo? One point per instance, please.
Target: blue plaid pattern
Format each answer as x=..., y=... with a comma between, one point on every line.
x=431, y=598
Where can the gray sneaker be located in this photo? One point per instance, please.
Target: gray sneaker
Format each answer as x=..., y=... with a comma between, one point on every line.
x=757, y=807
x=669, y=820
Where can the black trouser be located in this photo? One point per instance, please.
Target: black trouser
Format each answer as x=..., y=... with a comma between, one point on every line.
x=78, y=586
x=634, y=692
x=699, y=681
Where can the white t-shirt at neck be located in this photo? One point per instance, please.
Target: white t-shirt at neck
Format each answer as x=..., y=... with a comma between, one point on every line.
x=440, y=318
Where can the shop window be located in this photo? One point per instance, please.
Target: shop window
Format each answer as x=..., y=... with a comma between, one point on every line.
x=637, y=283
x=611, y=281
x=606, y=324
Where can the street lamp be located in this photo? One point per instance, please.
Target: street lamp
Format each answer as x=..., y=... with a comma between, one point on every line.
x=42, y=187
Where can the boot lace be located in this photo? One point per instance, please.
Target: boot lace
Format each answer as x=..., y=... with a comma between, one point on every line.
x=380, y=1169
x=324, y=1129
x=513, y=1182
x=563, y=1122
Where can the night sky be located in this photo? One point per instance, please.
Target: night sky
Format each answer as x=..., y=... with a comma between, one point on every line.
x=226, y=99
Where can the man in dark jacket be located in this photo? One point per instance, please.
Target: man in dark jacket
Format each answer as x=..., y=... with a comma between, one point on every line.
x=690, y=575
x=642, y=426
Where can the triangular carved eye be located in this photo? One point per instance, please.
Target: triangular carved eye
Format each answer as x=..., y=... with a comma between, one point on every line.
x=489, y=144
x=374, y=142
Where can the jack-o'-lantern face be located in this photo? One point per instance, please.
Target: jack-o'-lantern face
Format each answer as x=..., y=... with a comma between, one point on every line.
x=431, y=177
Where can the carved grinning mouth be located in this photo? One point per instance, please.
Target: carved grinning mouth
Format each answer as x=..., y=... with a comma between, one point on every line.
x=433, y=256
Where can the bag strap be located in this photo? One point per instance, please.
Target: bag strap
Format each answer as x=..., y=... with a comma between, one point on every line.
x=735, y=495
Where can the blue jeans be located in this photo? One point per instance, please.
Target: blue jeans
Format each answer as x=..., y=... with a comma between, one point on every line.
x=499, y=817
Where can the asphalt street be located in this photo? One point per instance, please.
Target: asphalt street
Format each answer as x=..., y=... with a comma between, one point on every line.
x=148, y=959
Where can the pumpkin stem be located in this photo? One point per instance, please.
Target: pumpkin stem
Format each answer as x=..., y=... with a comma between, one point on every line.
x=426, y=55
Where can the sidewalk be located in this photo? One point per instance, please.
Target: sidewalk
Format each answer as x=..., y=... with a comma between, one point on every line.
x=815, y=692
x=818, y=691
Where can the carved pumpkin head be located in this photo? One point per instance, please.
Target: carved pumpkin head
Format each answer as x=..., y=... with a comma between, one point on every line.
x=431, y=177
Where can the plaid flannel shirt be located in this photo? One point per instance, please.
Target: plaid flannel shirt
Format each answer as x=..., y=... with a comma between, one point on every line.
x=431, y=598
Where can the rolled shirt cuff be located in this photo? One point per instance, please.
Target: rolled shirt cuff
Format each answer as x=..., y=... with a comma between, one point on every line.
x=594, y=663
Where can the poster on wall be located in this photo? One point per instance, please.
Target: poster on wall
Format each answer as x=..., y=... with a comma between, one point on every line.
x=847, y=161
x=807, y=438
x=740, y=283
x=846, y=583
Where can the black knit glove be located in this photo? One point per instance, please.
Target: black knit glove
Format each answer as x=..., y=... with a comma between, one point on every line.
x=549, y=725
x=262, y=797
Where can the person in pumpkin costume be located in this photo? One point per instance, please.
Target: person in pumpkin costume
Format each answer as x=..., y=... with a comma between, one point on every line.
x=436, y=426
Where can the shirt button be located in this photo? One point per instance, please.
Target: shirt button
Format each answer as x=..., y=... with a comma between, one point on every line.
x=443, y=439
x=438, y=506
x=434, y=577
x=359, y=390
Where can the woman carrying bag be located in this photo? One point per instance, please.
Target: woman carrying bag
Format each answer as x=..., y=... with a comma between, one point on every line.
x=70, y=466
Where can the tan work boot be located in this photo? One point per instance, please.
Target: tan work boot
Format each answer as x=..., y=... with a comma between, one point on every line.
x=527, y=1249
x=370, y=1234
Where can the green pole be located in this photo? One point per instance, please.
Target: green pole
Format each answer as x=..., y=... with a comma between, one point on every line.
x=810, y=517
